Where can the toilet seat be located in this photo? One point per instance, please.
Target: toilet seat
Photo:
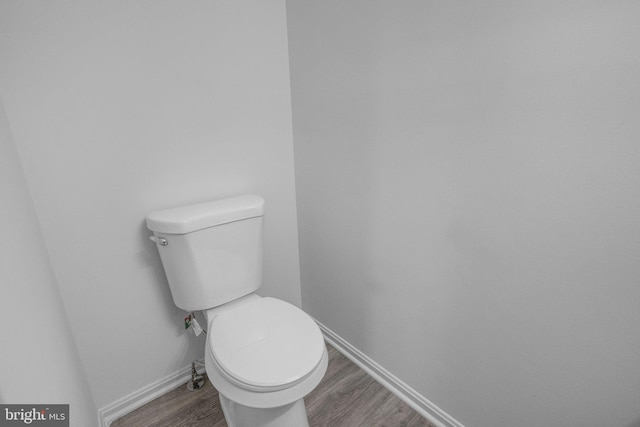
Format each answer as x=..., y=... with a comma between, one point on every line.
x=265, y=345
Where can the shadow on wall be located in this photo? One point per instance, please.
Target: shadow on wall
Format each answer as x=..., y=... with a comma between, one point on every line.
x=150, y=259
x=635, y=423
x=327, y=235
x=341, y=227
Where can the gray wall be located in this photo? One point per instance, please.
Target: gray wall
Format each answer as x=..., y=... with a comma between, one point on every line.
x=39, y=361
x=119, y=108
x=468, y=190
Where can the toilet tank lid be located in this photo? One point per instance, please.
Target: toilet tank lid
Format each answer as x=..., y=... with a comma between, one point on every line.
x=187, y=219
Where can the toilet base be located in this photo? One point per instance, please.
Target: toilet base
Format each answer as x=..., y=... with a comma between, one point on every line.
x=237, y=415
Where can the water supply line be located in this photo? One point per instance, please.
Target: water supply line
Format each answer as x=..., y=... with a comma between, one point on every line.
x=197, y=380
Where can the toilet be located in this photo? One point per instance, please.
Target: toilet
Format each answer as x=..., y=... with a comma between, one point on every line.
x=262, y=354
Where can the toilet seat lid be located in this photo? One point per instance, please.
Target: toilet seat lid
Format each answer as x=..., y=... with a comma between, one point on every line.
x=266, y=343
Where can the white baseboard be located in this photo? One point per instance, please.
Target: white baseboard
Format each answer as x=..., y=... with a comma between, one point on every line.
x=415, y=400
x=411, y=397
x=131, y=402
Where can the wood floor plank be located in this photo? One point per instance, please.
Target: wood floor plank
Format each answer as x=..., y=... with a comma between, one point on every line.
x=346, y=397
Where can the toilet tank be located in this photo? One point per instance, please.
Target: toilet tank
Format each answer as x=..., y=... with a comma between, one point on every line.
x=211, y=252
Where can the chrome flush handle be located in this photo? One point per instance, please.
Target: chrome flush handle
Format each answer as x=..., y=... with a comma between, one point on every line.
x=159, y=240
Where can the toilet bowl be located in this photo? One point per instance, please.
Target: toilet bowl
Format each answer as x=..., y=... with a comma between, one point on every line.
x=263, y=355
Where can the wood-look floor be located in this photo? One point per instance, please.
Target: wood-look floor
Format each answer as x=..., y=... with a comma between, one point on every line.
x=346, y=396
